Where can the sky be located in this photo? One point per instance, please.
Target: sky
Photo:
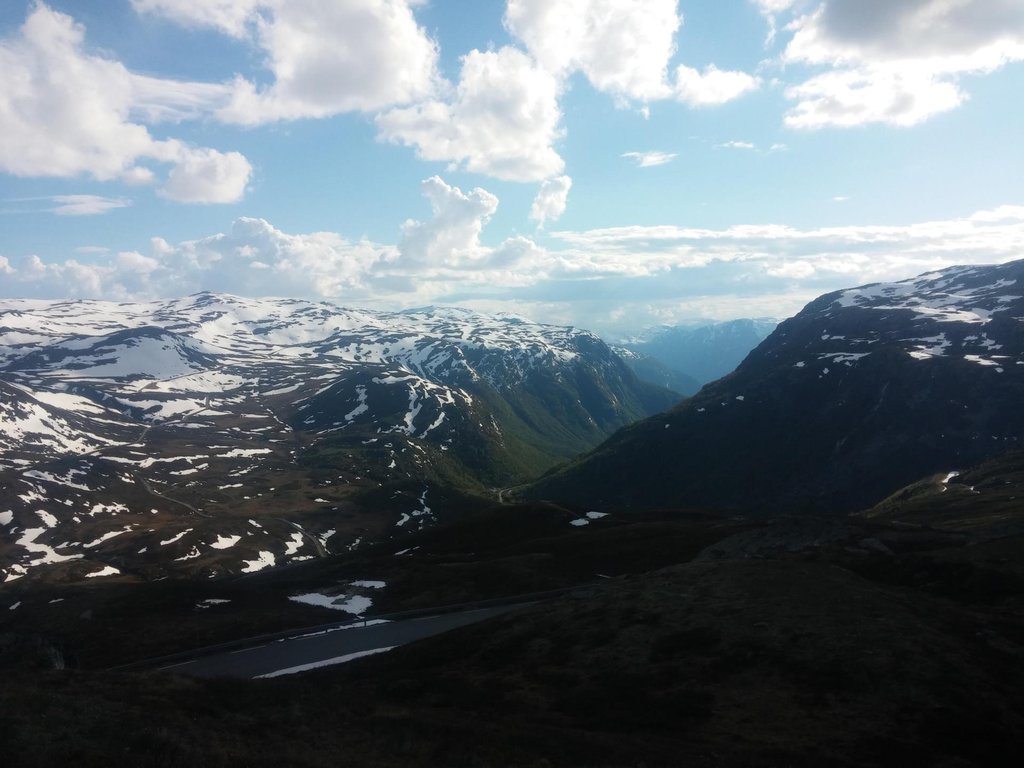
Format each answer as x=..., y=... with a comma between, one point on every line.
x=612, y=164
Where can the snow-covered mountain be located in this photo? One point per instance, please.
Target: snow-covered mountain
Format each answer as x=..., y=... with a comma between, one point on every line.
x=220, y=434
x=864, y=391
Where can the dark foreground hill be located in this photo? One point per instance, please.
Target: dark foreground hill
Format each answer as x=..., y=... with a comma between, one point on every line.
x=828, y=656
x=855, y=642
x=863, y=392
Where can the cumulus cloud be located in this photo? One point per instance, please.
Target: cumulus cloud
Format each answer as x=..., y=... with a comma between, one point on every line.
x=713, y=86
x=205, y=175
x=253, y=259
x=502, y=121
x=326, y=58
x=551, y=199
x=65, y=112
x=847, y=98
x=622, y=47
x=896, y=63
x=451, y=237
x=432, y=258
x=257, y=259
x=650, y=159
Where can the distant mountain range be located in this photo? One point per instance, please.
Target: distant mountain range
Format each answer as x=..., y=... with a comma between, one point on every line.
x=685, y=357
x=653, y=371
x=864, y=391
x=215, y=434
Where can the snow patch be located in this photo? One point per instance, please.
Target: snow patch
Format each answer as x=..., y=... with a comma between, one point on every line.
x=107, y=571
x=354, y=604
x=325, y=663
x=265, y=560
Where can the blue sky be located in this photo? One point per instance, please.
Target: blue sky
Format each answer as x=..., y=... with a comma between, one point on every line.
x=608, y=163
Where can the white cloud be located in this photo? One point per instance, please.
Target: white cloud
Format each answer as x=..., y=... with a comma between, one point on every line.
x=847, y=98
x=157, y=100
x=206, y=176
x=774, y=6
x=650, y=159
x=551, y=199
x=713, y=86
x=502, y=120
x=433, y=258
x=257, y=259
x=66, y=205
x=452, y=236
x=623, y=47
x=896, y=62
x=229, y=16
x=64, y=112
x=737, y=145
x=326, y=58
x=86, y=205
x=853, y=253
x=253, y=259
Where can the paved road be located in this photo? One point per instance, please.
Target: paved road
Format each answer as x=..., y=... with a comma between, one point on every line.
x=318, y=545
x=155, y=492
x=310, y=649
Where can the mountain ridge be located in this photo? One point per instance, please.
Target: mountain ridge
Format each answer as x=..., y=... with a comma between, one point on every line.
x=864, y=391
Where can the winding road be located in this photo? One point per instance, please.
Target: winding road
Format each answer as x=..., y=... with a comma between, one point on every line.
x=325, y=647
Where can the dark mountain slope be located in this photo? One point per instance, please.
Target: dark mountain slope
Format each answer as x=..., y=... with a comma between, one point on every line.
x=861, y=393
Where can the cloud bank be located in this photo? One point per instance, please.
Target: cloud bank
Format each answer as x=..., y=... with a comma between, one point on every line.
x=623, y=275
